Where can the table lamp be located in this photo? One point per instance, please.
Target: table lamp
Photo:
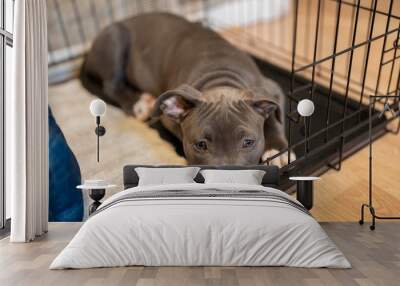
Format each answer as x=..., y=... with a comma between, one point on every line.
x=98, y=109
x=305, y=108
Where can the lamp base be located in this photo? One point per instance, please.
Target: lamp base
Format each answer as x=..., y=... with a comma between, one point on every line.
x=305, y=194
x=96, y=195
x=100, y=130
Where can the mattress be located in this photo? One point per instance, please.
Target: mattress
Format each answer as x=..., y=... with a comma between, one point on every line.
x=201, y=225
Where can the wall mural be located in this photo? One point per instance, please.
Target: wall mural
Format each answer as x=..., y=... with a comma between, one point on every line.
x=208, y=82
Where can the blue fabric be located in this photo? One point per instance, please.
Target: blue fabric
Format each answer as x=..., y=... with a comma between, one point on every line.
x=65, y=201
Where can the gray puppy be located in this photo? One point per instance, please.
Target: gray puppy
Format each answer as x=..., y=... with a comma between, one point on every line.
x=207, y=92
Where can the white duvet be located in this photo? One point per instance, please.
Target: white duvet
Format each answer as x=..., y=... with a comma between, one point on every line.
x=188, y=231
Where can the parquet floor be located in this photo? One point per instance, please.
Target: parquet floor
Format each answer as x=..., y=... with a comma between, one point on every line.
x=339, y=195
x=375, y=257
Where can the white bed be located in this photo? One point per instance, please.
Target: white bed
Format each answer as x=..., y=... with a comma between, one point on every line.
x=201, y=225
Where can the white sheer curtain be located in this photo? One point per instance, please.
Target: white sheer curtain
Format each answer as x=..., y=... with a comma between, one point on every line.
x=27, y=125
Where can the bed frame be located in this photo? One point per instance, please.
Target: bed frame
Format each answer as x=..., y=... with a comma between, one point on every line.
x=271, y=177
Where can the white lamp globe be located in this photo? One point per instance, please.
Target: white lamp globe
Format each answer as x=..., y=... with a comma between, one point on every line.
x=97, y=107
x=305, y=107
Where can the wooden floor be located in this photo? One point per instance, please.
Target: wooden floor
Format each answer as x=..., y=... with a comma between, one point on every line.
x=339, y=195
x=375, y=257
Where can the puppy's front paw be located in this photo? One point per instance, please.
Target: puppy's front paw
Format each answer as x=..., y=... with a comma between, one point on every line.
x=270, y=153
x=143, y=107
x=279, y=161
x=284, y=158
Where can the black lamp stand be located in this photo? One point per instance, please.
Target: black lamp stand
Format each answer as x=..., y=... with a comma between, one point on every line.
x=372, y=101
x=100, y=131
x=304, y=193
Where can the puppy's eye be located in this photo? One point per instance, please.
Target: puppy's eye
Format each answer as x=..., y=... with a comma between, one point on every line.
x=247, y=143
x=201, y=145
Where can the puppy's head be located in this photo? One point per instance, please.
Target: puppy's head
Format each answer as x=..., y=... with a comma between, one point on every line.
x=217, y=132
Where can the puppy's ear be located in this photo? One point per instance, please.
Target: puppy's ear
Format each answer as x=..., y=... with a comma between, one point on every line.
x=268, y=98
x=177, y=103
x=263, y=107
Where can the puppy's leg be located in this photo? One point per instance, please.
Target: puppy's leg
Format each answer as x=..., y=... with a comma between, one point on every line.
x=143, y=108
x=121, y=95
x=275, y=142
x=105, y=65
x=270, y=153
x=279, y=161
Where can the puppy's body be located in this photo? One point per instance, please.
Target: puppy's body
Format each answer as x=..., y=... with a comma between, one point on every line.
x=160, y=52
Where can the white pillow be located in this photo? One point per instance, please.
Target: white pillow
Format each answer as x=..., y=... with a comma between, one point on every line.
x=248, y=177
x=165, y=176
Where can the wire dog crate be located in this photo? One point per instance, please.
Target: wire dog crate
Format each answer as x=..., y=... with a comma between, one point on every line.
x=334, y=52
